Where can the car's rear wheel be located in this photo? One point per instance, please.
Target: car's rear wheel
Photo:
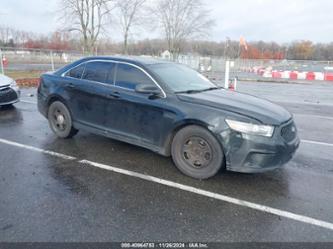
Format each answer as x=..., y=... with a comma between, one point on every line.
x=60, y=120
x=197, y=153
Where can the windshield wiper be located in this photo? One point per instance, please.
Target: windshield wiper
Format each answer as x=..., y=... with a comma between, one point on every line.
x=199, y=91
x=212, y=89
x=189, y=91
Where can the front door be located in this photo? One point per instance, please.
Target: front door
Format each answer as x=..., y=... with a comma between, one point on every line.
x=135, y=115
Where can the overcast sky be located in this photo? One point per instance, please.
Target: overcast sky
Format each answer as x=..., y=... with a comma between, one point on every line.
x=268, y=20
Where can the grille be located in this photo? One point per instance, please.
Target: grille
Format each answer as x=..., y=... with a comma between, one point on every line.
x=7, y=95
x=289, y=132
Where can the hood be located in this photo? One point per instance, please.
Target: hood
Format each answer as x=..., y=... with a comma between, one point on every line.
x=4, y=80
x=247, y=105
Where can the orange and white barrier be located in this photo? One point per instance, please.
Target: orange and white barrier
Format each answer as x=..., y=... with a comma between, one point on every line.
x=328, y=77
x=319, y=76
x=302, y=75
x=292, y=75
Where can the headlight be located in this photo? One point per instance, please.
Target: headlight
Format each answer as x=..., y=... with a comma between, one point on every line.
x=252, y=129
x=13, y=84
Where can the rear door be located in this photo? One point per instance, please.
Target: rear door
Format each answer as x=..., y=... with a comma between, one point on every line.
x=88, y=96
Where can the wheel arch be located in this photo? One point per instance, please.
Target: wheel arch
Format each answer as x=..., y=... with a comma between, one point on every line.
x=55, y=97
x=182, y=125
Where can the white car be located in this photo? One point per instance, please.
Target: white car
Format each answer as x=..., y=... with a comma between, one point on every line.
x=9, y=91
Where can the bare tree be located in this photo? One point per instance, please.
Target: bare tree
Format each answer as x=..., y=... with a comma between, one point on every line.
x=130, y=15
x=181, y=20
x=88, y=17
x=5, y=34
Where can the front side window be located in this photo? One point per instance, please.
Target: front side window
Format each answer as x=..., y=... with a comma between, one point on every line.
x=180, y=78
x=129, y=77
x=76, y=72
x=99, y=71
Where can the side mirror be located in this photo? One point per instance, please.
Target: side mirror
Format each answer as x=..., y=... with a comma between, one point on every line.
x=148, y=89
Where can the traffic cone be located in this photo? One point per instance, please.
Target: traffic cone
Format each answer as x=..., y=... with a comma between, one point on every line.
x=231, y=85
x=4, y=61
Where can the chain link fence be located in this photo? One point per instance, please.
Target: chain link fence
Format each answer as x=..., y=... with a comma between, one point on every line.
x=261, y=70
x=25, y=60
x=14, y=59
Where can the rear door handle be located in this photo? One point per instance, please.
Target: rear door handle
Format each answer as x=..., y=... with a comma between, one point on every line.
x=71, y=85
x=115, y=95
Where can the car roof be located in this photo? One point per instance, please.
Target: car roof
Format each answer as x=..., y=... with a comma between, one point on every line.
x=141, y=61
x=138, y=60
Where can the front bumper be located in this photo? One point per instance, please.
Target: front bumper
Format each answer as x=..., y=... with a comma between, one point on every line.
x=9, y=95
x=256, y=154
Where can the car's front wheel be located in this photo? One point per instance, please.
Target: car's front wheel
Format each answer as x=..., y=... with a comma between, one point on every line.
x=197, y=153
x=7, y=106
x=60, y=120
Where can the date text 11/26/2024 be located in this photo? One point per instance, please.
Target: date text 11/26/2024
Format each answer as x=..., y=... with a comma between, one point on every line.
x=164, y=245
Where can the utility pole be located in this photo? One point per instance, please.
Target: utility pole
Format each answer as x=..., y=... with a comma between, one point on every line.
x=52, y=60
x=227, y=72
x=226, y=47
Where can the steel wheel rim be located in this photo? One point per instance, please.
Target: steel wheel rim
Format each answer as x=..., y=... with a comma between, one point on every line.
x=197, y=152
x=59, y=121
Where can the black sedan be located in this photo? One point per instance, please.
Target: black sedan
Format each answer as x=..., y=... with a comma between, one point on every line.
x=9, y=91
x=170, y=109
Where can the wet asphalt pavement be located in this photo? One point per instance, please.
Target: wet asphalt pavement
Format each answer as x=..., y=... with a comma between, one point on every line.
x=46, y=198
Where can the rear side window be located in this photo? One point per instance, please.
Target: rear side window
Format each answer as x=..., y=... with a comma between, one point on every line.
x=99, y=72
x=128, y=77
x=76, y=72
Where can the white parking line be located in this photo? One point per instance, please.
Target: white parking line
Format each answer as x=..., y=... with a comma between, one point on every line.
x=317, y=143
x=28, y=147
x=315, y=116
x=228, y=199
x=301, y=103
x=239, y=202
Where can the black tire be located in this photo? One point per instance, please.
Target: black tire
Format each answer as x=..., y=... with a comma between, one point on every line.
x=60, y=120
x=197, y=153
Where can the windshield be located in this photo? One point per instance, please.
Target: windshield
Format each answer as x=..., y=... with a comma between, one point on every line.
x=180, y=78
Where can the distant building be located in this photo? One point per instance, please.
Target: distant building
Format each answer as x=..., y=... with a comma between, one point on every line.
x=166, y=55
